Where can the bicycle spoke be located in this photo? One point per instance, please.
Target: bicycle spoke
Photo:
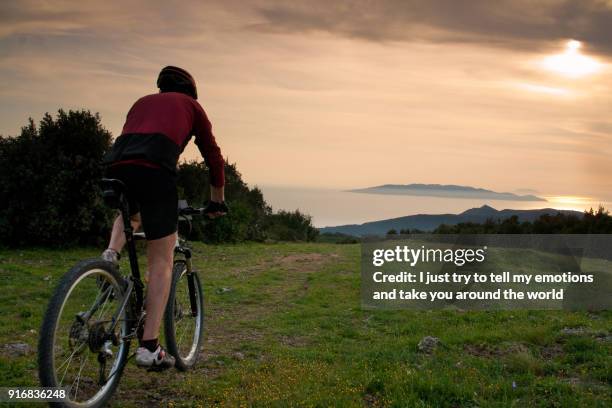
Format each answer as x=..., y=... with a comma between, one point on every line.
x=180, y=338
x=185, y=324
x=105, y=302
x=78, y=377
x=96, y=303
x=77, y=329
x=68, y=360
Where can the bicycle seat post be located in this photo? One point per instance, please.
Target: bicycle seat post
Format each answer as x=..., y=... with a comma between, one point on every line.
x=131, y=247
x=115, y=196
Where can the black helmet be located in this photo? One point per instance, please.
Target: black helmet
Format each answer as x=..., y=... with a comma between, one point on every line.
x=175, y=79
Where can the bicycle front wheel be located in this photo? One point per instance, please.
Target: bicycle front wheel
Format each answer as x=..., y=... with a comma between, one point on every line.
x=184, y=317
x=81, y=346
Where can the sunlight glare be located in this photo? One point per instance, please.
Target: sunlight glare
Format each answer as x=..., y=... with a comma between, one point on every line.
x=545, y=89
x=572, y=63
x=570, y=202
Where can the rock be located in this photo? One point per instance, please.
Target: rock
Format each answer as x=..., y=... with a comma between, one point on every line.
x=17, y=349
x=428, y=344
x=223, y=290
x=515, y=348
x=238, y=355
x=573, y=331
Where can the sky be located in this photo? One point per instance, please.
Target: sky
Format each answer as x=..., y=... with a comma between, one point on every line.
x=505, y=95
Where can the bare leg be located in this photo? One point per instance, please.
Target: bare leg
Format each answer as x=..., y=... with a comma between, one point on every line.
x=159, y=255
x=117, y=240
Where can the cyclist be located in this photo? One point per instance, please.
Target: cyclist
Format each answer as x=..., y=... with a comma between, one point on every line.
x=145, y=157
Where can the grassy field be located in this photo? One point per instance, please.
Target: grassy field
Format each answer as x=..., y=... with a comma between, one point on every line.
x=291, y=332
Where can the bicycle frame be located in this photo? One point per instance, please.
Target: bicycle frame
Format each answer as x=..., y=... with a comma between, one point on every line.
x=114, y=195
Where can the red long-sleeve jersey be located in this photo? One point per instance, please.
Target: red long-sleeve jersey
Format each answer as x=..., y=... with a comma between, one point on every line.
x=157, y=129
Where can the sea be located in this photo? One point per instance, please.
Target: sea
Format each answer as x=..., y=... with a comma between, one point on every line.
x=331, y=207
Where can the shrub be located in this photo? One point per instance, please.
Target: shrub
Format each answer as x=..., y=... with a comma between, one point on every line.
x=50, y=193
x=290, y=226
x=49, y=182
x=248, y=208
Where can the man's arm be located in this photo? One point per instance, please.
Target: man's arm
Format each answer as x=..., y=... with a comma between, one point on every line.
x=205, y=140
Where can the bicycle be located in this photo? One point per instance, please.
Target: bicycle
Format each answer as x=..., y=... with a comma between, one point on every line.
x=106, y=313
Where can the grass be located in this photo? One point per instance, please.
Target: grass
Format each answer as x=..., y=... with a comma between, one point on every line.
x=291, y=332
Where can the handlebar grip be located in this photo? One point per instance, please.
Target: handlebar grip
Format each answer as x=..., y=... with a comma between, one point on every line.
x=214, y=207
x=190, y=211
x=211, y=207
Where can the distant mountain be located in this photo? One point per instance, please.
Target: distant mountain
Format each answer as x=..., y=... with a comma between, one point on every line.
x=429, y=222
x=444, y=190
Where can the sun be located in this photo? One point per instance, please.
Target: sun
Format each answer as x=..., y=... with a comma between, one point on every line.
x=570, y=202
x=572, y=63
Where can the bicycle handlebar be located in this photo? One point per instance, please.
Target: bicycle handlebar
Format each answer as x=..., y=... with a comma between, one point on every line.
x=191, y=211
x=212, y=207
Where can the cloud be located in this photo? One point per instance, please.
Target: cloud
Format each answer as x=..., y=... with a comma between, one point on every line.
x=523, y=24
x=508, y=23
x=403, y=86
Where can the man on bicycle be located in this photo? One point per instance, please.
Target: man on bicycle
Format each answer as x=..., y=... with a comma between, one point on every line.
x=144, y=157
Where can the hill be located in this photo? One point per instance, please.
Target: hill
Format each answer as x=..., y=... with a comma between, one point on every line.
x=428, y=222
x=445, y=190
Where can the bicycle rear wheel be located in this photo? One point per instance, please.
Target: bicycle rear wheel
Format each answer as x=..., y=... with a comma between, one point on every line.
x=78, y=347
x=184, y=317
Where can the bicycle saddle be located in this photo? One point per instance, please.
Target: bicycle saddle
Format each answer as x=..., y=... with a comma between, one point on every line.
x=112, y=192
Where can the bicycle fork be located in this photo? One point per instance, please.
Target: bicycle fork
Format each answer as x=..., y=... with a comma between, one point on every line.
x=186, y=252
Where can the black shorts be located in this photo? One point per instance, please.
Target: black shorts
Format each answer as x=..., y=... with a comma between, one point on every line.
x=152, y=193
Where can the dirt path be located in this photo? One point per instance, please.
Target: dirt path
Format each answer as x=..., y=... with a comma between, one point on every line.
x=228, y=328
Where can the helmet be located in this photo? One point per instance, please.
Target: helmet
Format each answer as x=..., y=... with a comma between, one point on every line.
x=175, y=79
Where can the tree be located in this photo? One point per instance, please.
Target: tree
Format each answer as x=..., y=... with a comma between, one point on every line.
x=591, y=222
x=250, y=217
x=49, y=181
x=248, y=208
x=50, y=194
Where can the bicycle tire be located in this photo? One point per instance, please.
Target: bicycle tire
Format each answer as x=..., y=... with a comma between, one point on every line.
x=47, y=339
x=179, y=275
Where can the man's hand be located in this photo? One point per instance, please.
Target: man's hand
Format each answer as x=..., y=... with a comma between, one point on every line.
x=214, y=209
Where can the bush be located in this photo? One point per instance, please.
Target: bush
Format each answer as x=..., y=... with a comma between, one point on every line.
x=337, y=238
x=250, y=217
x=290, y=226
x=49, y=175
x=248, y=208
x=591, y=222
x=50, y=194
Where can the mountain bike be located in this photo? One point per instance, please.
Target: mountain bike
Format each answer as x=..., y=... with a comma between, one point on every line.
x=96, y=312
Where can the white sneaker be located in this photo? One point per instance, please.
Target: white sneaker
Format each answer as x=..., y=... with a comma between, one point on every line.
x=160, y=359
x=110, y=255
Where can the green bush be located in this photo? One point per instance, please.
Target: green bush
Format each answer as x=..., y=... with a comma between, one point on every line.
x=248, y=208
x=250, y=217
x=591, y=222
x=290, y=226
x=50, y=193
x=49, y=182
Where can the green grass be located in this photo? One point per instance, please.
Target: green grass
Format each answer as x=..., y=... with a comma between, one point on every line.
x=291, y=333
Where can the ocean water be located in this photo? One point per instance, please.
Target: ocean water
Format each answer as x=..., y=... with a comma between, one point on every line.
x=329, y=207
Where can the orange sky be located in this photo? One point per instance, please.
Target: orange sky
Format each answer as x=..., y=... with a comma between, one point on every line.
x=342, y=94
